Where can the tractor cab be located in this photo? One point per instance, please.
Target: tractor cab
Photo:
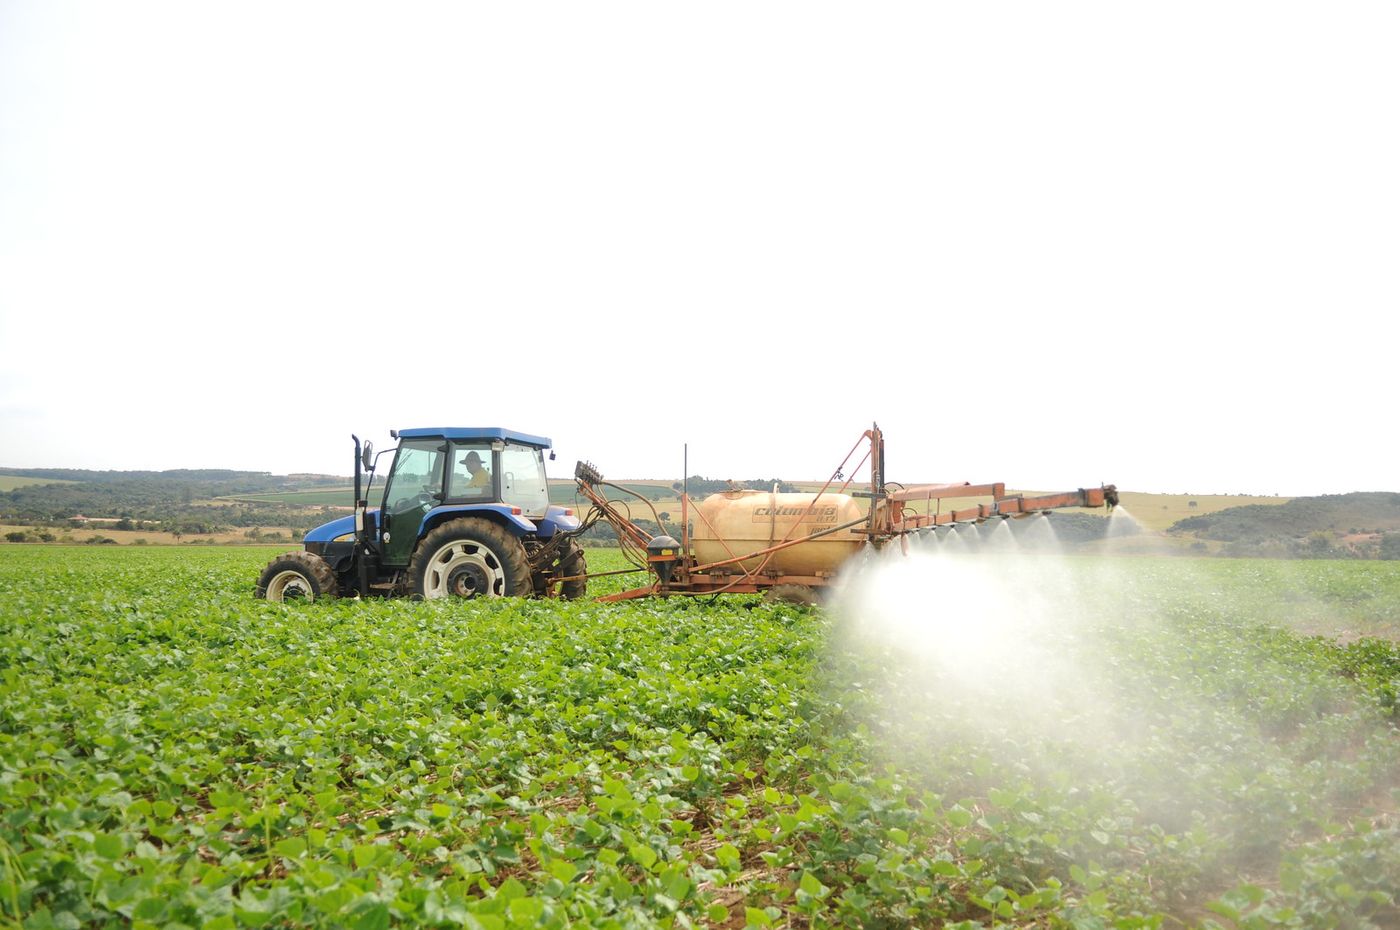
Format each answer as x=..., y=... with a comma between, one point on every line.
x=437, y=472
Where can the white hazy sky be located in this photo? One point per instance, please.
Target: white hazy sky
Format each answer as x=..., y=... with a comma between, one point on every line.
x=1047, y=244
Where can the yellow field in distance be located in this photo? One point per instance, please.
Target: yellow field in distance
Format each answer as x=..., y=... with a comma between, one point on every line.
x=10, y=482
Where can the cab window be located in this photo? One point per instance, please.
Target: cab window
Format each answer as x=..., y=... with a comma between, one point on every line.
x=417, y=473
x=471, y=475
x=523, y=481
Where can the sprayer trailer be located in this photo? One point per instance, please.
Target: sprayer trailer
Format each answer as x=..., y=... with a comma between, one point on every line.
x=791, y=545
x=464, y=512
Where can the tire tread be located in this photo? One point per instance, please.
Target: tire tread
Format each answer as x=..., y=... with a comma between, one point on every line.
x=312, y=566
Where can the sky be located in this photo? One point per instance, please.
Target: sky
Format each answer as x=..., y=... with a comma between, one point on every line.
x=1047, y=244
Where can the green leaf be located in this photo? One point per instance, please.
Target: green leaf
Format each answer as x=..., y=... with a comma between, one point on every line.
x=511, y=889
x=644, y=856
x=526, y=909
x=678, y=885
x=958, y=816
x=727, y=856
x=291, y=847
x=149, y=909
x=1224, y=910
x=109, y=845
x=562, y=870
x=756, y=917
x=374, y=917
x=334, y=900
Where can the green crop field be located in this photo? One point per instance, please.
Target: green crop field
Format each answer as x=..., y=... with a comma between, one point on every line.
x=317, y=497
x=1118, y=743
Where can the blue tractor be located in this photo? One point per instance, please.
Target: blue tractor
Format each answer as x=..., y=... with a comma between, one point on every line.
x=465, y=512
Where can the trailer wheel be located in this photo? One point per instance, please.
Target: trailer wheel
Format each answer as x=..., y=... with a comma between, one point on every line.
x=791, y=594
x=296, y=576
x=572, y=562
x=470, y=557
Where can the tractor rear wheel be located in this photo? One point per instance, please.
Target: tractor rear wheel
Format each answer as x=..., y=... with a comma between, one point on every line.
x=572, y=562
x=297, y=576
x=470, y=557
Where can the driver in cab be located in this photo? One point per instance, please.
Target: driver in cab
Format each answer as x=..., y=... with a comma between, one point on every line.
x=479, y=480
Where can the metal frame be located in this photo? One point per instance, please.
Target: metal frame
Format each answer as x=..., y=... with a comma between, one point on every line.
x=676, y=571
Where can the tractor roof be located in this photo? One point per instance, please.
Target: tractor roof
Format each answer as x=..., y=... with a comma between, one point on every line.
x=468, y=433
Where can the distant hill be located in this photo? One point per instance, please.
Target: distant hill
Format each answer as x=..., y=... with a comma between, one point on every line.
x=1357, y=525
x=178, y=497
x=209, y=501
x=82, y=475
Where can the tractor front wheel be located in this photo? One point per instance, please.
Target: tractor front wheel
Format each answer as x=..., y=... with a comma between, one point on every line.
x=296, y=576
x=470, y=557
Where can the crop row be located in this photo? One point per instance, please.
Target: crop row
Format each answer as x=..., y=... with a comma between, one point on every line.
x=173, y=752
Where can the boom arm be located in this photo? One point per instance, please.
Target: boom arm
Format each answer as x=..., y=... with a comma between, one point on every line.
x=897, y=519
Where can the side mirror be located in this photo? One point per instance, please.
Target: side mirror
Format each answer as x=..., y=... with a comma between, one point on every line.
x=367, y=456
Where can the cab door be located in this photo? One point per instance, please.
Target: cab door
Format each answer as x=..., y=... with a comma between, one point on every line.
x=414, y=488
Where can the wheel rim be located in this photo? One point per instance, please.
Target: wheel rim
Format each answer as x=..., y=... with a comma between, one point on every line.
x=464, y=569
x=290, y=585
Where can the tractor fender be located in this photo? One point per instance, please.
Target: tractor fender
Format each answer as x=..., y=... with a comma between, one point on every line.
x=497, y=513
x=555, y=520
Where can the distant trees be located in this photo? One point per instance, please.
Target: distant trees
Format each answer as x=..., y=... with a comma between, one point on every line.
x=150, y=496
x=700, y=486
x=29, y=536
